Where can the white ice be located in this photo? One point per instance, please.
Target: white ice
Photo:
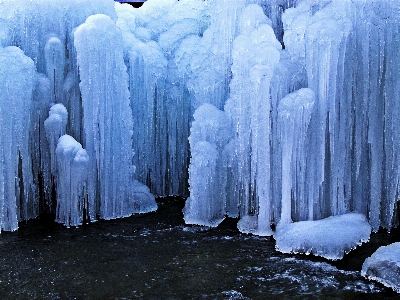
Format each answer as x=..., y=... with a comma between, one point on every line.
x=71, y=181
x=384, y=266
x=330, y=238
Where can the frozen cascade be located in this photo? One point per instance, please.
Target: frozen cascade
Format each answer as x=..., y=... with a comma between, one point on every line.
x=353, y=77
x=170, y=58
x=154, y=54
x=71, y=182
x=210, y=64
x=354, y=167
x=43, y=30
x=38, y=142
x=16, y=85
x=107, y=119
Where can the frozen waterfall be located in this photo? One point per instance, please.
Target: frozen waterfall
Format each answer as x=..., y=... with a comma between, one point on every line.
x=270, y=111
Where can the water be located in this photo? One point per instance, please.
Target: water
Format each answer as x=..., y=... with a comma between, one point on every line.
x=156, y=256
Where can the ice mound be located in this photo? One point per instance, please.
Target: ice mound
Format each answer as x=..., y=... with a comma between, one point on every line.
x=330, y=238
x=384, y=266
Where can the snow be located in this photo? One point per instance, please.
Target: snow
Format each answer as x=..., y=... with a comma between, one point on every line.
x=330, y=238
x=384, y=266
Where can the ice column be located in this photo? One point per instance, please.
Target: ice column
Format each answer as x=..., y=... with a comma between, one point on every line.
x=107, y=118
x=325, y=67
x=210, y=132
x=255, y=56
x=72, y=162
x=16, y=86
x=294, y=113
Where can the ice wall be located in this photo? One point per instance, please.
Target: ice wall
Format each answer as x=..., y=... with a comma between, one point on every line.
x=146, y=79
x=336, y=152
x=346, y=49
x=44, y=31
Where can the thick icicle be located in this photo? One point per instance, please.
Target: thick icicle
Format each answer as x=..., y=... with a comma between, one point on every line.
x=210, y=132
x=16, y=85
x=107, y=118
x=294, y=113
x=71, y=183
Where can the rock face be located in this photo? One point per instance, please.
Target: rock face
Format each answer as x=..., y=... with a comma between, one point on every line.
x=384, y=266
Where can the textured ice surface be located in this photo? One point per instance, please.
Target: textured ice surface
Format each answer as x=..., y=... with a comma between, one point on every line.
x=384, y=266
x=71, y=181
x=107, y=118
x=17, y=75
x=330, y=238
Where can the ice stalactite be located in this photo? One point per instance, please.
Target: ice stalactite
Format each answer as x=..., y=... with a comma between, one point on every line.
x=43, y=30
x=16, y=189
x=247, y=108
x=107, y=118
x=324, y=65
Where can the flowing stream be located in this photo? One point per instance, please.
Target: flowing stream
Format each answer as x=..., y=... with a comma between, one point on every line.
x=156, y=256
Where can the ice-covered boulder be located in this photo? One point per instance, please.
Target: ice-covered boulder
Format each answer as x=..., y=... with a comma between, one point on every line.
x=384, y=266
x=330, y=238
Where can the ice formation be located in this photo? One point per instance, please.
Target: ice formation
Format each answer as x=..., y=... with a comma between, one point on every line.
x=71, y=182
x=16, y=85
x=44, y=66
x=330, y=238
x=383, y=266
x=273, y=111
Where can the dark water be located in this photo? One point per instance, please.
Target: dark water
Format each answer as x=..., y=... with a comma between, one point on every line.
x=156, y=256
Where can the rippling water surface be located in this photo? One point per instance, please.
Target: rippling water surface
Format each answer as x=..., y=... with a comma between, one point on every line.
x=156, y=256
